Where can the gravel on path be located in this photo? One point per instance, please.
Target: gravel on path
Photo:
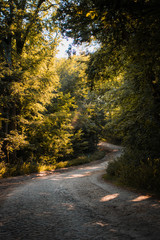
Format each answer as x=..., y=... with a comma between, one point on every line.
x=75, y=204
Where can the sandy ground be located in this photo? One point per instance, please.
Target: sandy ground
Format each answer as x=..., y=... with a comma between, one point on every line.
x=74, y=204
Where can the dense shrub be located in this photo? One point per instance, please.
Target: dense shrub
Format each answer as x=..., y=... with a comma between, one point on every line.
x=136, y=171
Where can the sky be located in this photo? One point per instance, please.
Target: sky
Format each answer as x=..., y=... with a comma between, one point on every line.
x=63, y=46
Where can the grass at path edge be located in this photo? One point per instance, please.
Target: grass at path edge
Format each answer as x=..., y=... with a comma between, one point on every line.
x=27, y=168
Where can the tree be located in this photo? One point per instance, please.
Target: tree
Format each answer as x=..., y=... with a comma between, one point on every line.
x=52, y=136
x=26, y=36
x=88, y=117
x=129, y=58
x=73, y=77
x=122, y=28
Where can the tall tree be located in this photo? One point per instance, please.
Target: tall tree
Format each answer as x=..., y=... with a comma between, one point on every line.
x=26, y=36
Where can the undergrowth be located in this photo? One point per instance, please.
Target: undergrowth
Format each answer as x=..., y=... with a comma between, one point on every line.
x=133, y=170
x=7, y=170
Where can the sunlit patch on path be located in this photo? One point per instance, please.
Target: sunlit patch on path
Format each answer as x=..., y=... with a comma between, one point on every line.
x=109, y=197
x=140, y=198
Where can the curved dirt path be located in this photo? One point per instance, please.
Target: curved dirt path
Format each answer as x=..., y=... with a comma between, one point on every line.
x=75, y=204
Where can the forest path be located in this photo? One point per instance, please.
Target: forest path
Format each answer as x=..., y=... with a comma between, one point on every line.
x=76, y=204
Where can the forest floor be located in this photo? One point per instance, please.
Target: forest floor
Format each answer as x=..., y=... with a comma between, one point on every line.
x=76, y=204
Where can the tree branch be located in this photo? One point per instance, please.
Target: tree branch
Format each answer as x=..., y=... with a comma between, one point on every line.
x=22, y=41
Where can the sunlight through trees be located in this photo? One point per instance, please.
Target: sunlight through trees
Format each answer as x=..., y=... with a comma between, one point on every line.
x=53, y=109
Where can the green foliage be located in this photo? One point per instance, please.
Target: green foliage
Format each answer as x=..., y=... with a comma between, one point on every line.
x=124, y=72
x=52, y=135
x=89, y=124
x=82, y=159
x=133, y=169
x=53, y=110
x=7, y=170
x=27, y=70
x=87, y=119
x=30, y=96
x=73, y=77
x=2, y=168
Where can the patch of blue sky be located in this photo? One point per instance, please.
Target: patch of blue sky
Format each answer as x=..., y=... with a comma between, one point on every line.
x=84, y=48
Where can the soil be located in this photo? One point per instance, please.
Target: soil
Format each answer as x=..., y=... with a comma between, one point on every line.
x=76, y=204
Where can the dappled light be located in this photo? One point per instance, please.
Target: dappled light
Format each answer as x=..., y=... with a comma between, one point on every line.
x=141, y=198
x=100, y=223
x=71, y=176
x=78, y=175
x=80, y=172
x=109, y=197
x=156, y=205
x=86, y=124
x=54, y=110
x=78, y=202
